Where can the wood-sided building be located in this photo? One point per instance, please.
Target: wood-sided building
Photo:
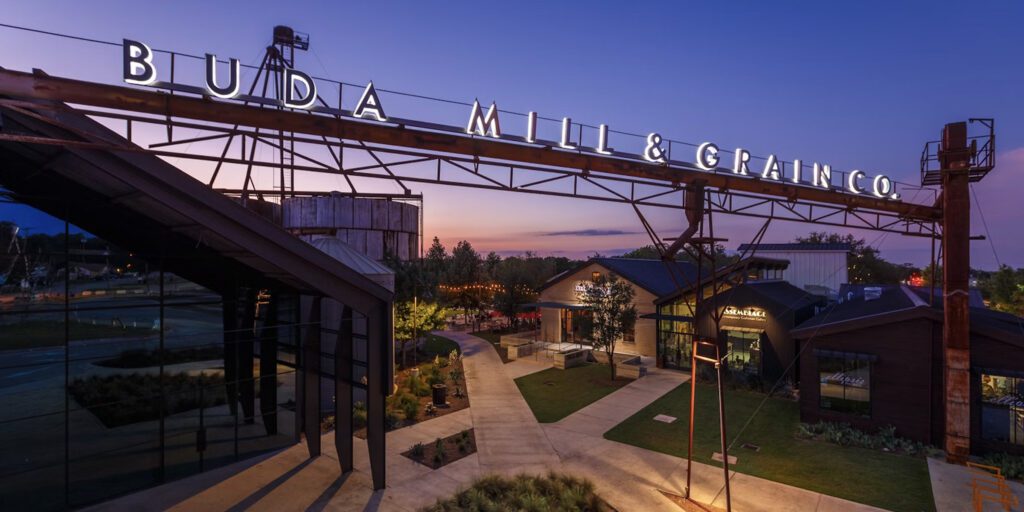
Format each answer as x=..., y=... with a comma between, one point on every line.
x=875, y=359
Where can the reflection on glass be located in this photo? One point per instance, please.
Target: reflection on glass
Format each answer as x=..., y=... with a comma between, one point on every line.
x=845, y=384
x=744, y=351
x=32, y=358
x=1002, y=409
x=91, y=351
x=675, y=337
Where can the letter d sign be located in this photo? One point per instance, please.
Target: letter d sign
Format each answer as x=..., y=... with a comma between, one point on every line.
x=138, y=63
x=291, y=78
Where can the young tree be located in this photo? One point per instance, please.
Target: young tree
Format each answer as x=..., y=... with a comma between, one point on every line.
x=436, y=262
x=613, y=314
x=413, y=319
x=465, y=275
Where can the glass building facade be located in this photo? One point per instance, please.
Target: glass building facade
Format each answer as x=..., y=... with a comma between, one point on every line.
x=117, y=374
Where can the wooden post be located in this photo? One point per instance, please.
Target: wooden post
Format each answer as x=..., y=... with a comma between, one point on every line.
x=954, y=157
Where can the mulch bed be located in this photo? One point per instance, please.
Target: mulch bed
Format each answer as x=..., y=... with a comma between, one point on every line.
x=455, y=403
x=453, y=448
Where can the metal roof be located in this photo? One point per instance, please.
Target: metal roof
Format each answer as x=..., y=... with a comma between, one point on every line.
x=797, y=247
x=139, y=201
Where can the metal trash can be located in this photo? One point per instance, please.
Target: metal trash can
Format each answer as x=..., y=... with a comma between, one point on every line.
x=440, y=394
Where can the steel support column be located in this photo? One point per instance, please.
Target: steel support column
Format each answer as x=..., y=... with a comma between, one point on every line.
x=268, y=365
x=955, y=160
x=343, y=390
x=378, y=377
x=311, y=376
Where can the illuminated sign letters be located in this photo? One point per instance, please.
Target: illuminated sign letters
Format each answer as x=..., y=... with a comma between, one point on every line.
x=300, y=92
x=480, y=124
x=750, y=313
x=370, y=105
x=138, y=63
x=234, y=82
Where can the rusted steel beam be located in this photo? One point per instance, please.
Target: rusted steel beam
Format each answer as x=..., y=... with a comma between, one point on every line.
x=31, y=86
x=956, y=341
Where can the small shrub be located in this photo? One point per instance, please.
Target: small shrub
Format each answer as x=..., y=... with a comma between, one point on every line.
x=390, y=420
x=453, y=357
x=358, y=415
x=416, y=386
x=410, y=408
x=417, y=450
x=464, y=434
x=439, y=445
x=440, y=362
x=455, y=376
x=1012, y=466
x=438, y=458
x=463, y=446
x=845, y=435
x=435, y=377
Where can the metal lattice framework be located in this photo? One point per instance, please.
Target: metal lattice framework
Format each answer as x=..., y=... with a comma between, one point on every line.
x=309, y=143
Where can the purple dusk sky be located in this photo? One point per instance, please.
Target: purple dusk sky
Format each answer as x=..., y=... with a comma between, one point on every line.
x=857, y=85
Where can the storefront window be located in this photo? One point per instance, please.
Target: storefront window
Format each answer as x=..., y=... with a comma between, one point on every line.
x=1002, y=409
x=744, y=351
x=675, y=336
x=845, y=383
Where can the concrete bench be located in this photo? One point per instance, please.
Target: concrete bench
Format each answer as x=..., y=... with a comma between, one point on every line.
x=571, y=358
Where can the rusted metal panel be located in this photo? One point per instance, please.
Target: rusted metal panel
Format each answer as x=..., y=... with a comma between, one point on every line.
x=956, y=273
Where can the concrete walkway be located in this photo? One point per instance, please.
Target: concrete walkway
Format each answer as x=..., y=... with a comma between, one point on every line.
x=951, y=485
x=509, y=441
x=629, y=477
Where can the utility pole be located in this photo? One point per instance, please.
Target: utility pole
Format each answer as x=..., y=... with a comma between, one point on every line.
x=955, y=161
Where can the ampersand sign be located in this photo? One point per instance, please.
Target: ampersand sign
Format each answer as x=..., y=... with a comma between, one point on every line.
x=653, y=151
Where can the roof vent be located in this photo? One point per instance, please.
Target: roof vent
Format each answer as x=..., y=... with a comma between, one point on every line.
x=872, y=293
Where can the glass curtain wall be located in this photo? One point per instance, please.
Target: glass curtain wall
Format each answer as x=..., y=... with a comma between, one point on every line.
x=117, y=375
x=675, y=338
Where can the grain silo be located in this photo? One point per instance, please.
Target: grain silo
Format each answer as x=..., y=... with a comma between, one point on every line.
x=373, y=226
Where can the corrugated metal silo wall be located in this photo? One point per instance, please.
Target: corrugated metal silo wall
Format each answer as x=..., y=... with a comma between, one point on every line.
x=373, y=226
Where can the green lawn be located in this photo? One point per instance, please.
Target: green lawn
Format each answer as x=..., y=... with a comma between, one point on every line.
x=439, y=346
x=894, y=482
x=554, y=394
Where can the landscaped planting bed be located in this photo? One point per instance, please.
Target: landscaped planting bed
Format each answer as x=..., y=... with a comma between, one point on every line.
x=865, y=475
x=443, y=451
x=411, y=402
x=553, y=492
x=131, y=398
